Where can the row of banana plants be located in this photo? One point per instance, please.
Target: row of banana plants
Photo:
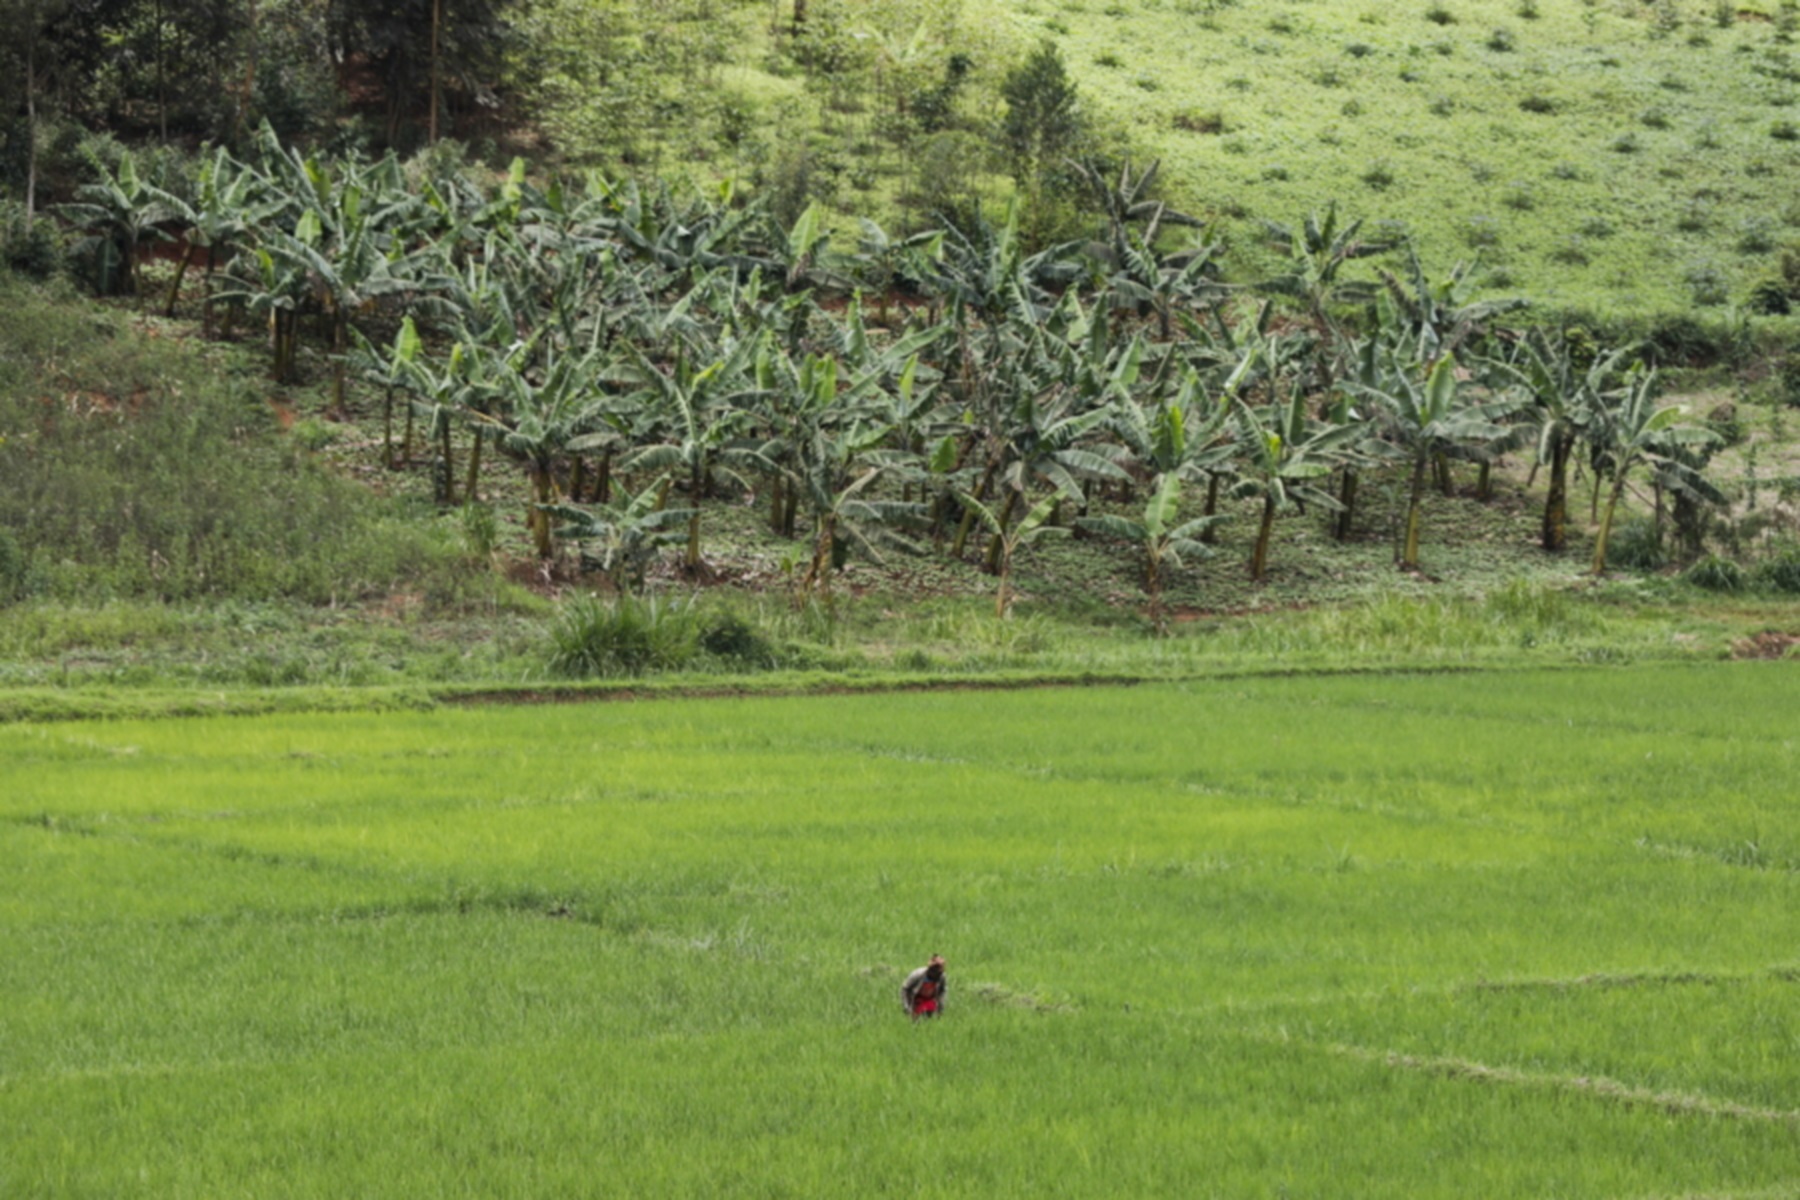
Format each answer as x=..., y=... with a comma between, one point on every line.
x=635, y=352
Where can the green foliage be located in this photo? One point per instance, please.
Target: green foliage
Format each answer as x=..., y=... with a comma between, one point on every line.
x=135, y=468
x=623, y=635
x=31, y=247
x=1636, y=545
x=1715, y=574
x=1780, y=571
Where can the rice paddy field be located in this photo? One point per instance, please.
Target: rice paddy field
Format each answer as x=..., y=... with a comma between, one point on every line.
x=1487, y=934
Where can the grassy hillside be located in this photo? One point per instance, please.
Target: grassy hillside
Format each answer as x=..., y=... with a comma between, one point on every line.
x=1620, y=157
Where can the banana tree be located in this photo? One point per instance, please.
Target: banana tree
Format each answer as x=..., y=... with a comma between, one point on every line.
x=348, y=272
x=1029, y=529
x=704, y=417
x=1160, y=533
x=1636, y=431
x=228, y=203
x=623, y=536
x=273, y=289
x=118, y=213
x=391, y=371
x=1185, y=434
x=1284, y=453
x=1565, y=403
x=1314, y=276
x=1430, y=417
x=541, y=409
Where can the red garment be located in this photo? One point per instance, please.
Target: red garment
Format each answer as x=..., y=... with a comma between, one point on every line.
x=925, y=1008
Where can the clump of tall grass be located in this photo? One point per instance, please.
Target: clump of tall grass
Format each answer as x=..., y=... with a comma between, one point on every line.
x=1780, y=572
x=1716, y=574
x=625, y=635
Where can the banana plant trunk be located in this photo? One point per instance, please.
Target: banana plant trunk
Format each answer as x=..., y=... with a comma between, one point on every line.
x=1556, y=501
x=175, y=287
x=387, y=428
x=340, y=325
x=474, y=477
x=1409, y=549
x=818, y=572
x=968, y=518
x=1153, y=586
x=1346, y=517
x=1606, y=520
x=1259, y=559
x=449, y=463
x=206, y=294
x=1209, y=535
x=997, y=543
x=691, y=560
x=537, y=518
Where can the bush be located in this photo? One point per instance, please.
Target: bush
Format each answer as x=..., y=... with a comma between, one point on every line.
x=1787, y=379
x=730, y=638
x=30, y=247
x=1780, y=572
x=1635, y=546
x=623, y=636
x=1716, y=574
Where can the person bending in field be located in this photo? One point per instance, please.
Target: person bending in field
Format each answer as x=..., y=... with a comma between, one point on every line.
x=922, y=993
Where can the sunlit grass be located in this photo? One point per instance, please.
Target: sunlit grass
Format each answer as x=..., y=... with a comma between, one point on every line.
x=1355, y=936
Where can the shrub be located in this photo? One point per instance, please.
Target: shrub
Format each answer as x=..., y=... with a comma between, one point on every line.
x=1439, y=14
x=1769, y=297
x=1756, y=235
x=1481, y=232
x=730, y=638
x=623, y=636
x=1571, y=252
x=1784, y=131
x=1537, y=102
x=1501, y=41
x=1707, y=284
x=1780, y=572
x=30, y=247
x=1379, y=175
x=1519, y=195
x=1716, y=574
x=1635, y=546
x=1787, y=379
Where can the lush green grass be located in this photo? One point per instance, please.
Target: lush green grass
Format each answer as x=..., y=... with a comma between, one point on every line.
x=1500, y=934
x=1599, y=158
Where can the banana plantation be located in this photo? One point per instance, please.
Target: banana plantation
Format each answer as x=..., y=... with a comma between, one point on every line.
x=630, y=353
